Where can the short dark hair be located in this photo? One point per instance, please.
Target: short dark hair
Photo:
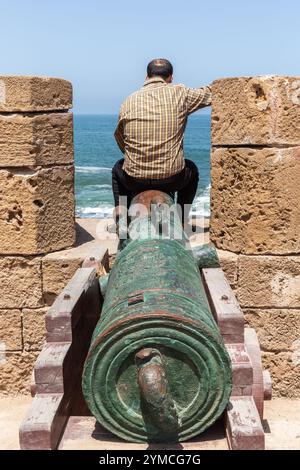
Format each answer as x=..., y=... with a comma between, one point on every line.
x=159, y=68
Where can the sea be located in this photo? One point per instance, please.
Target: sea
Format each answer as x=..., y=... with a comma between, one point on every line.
x=96, y=152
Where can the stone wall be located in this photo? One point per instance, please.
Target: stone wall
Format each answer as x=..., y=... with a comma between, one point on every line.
x=36, y=212
x=255, y=211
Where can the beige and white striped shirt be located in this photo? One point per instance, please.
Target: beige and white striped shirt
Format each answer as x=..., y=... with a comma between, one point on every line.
x=151, y=127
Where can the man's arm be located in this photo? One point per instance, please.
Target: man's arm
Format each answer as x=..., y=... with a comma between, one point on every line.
x=119, y=135
x=197, y=98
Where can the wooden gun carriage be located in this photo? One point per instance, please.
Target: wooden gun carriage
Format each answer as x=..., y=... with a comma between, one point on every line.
x=157, y=351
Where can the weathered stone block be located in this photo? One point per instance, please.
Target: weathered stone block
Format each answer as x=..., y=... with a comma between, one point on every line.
x=256, y=111
x=59, y=267
x=11, y=330
x=56, y=274
x=20, y=282
x=28, y=140
x=15, y=372
x=284, y=369
x=19, y=93
x=36, y=210
x=269, y=281
x=277, y=329
x=229, y=264
x=34, y=328
x=255, y=196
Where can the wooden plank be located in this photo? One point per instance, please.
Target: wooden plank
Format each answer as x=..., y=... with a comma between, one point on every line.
x=243, y=425
x=267, y=380
x=44, y=422
x=70, y=323
x=55, y=371
x=99, y=261
x=48, y=369
x=242, y=391
x=63, y=315
x=59, y=366
x=253, y=349
x=224, y=305
x=86, y=434
x=242, y=370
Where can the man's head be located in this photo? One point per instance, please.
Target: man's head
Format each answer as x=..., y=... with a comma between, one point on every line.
x=160, y=68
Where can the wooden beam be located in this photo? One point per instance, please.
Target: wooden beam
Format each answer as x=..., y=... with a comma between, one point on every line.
x=58, y=370
x=243, y=425
x=224, y=305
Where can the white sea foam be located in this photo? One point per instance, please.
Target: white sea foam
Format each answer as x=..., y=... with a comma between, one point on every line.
x=91, y=169
x=201, y=206
x=99, y=186
x=100, y=212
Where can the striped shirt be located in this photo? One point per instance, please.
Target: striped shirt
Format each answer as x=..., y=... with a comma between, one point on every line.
x=151, y=127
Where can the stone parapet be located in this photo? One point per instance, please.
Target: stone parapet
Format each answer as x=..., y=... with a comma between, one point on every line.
x=10, y=331
x=284, y=368
x=28, y=94
x=269, y=281
x=37, y=210
x=33, y=328
x=229, y=264
x=33, y=139
x=29, y=286
x=20, y=282
x=261, y=110
x=255, y=200
x=16, y=371
x=255, y=211
x=277, y=329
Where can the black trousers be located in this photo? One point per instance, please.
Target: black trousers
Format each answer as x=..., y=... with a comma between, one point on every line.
x=184, y=183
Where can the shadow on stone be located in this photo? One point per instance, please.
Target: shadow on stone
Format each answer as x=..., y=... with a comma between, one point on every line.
x=82, y=235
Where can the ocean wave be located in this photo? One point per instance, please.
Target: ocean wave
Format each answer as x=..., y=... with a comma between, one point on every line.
x=201, y=204
x=91, y=187
x=99, y=212
x=200, y=208
x=91, y=169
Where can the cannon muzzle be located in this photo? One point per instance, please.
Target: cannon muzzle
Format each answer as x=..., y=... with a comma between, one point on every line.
x=157, y=405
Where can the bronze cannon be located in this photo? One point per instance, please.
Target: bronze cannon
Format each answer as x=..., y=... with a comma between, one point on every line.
x=157, y=368
x=159, y=358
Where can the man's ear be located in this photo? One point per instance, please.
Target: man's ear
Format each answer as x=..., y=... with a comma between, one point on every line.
x=169, y=79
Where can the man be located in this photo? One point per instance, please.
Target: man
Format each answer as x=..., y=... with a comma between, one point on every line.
x=150, y=134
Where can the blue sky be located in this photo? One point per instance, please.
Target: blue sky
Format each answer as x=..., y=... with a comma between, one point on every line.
x=103, y=46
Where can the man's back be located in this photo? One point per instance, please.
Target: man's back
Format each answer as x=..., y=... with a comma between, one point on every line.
x=151, y=127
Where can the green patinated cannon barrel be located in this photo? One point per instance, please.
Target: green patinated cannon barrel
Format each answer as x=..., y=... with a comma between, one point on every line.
x=157, y=368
